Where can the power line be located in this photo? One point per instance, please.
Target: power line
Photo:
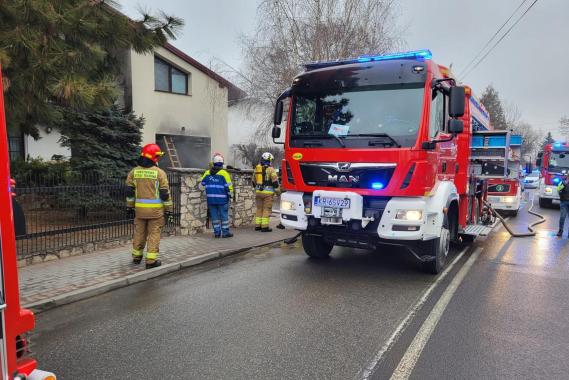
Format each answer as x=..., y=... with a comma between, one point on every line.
x=500, y=40
x=492, y=38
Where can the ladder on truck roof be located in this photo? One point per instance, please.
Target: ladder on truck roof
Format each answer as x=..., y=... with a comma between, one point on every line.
x=172, y=152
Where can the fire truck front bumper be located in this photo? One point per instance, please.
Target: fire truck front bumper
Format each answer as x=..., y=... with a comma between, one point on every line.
x=404, y=218
x=38, y=374
x=505, y=203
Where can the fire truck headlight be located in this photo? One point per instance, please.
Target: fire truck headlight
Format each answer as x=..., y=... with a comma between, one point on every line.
x=288, y=205
x=413, y=215
x=508, y=199
x=548, y=190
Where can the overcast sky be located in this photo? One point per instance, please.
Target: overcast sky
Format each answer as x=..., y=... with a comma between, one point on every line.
x=529, y=67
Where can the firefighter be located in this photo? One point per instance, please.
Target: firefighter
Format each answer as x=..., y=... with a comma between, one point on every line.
x=266, y=183
x=218, y=189
x=563, y=189
x=148, y=193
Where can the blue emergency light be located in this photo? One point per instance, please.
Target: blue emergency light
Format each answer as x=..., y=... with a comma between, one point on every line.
x=377, y=185
x=419, y=55
x=556, y=180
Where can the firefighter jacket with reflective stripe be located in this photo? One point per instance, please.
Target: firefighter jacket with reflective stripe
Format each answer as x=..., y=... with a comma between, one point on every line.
x=218, y=186
x=563, y=189
x=265, y=179
x=151, y=192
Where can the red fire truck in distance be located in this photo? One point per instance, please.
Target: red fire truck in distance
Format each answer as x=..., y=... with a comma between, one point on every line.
x=15, y=322
x=554, y=165
x=377, y=152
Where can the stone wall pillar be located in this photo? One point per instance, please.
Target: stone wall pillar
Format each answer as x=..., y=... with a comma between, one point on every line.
x=194, y=205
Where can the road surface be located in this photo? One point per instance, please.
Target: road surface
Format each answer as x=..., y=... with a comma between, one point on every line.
x=274, y=314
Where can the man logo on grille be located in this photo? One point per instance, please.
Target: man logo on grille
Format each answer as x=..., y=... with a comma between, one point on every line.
x=344, y=166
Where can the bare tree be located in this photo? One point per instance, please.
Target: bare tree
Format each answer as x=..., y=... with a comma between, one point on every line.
x=292, y=32
x=251, y=153
x=564, y=127
x=531, y=137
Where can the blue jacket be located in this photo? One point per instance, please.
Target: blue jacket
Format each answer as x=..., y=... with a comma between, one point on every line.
x=218, y=187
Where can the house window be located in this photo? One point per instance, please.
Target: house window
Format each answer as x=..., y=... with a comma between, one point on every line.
x=167, y=78
x=16, y=146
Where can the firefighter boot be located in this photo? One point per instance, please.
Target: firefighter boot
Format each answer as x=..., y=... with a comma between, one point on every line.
x=153, y=264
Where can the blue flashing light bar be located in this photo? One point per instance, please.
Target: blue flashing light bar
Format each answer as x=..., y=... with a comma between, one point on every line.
x=556, y=180
x=377, y=185
x=419, y=55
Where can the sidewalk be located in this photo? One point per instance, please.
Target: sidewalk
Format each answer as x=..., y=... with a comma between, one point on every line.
x=58, y=282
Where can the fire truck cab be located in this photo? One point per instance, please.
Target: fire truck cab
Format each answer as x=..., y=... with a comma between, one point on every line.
x=377, y=153
x=554, y=166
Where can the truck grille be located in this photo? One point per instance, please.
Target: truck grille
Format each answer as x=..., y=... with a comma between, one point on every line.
x=345, y=175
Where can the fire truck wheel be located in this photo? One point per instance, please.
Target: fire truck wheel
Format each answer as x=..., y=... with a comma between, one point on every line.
x=439, y=248
x=515, y=213
x=316, y=247
x=545, y=203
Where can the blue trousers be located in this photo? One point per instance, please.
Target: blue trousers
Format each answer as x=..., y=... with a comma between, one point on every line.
x=219, y=215
x=564, y=207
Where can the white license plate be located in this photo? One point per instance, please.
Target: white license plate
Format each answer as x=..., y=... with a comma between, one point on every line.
x=332, y=202
x=494, y=199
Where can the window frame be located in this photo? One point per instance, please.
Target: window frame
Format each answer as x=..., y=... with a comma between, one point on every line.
x=170, y=70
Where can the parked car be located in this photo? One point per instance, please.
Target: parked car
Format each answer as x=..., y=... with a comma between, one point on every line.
x=531, y=181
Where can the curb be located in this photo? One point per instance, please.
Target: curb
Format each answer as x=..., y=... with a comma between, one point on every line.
x=105, y=287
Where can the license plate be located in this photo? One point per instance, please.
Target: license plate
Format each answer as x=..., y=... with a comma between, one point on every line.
x=494, y=199
x=332, y=202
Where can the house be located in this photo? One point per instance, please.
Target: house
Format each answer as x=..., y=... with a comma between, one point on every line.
x=185, y=105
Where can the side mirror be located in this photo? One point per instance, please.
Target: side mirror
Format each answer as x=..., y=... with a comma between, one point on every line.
x=455, y=126
x=456, y=101
x=278, y=113
x=276, y=132
x=538, y=162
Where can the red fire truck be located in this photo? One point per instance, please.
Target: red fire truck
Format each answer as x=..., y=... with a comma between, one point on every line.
x=554, y=165
x=15, y=322
x=378, y=153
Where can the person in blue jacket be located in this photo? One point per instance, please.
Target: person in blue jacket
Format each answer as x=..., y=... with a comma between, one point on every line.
x=218, y=189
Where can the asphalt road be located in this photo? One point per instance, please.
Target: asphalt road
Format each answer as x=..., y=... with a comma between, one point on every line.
x=272, y=313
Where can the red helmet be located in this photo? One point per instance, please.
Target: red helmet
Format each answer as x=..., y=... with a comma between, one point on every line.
x=152, y=151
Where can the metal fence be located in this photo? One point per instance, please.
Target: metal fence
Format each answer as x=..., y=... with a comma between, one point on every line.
x=68, y=211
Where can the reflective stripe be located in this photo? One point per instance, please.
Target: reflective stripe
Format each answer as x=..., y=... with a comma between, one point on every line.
x=168, y=203
x=265, y=192
x=136, y=253
x=145, y=174
x=216, y=196
x=149, y=201
x=151, y=256
x=146, y=205
x=130, y=199
x=215, y=186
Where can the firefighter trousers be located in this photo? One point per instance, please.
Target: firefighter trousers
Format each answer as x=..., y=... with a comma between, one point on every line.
x=147, y=233
x=264, y=203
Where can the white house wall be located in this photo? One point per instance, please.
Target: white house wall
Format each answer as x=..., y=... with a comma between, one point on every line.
x=203, y=112
x=47, y=146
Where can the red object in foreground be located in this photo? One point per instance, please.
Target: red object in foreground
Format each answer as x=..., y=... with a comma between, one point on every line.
x=16, y=322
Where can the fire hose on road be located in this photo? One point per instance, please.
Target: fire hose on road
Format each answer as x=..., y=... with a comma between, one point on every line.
x=530, y=227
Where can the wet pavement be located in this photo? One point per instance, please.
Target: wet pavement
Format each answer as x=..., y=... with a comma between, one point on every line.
x=274, y=314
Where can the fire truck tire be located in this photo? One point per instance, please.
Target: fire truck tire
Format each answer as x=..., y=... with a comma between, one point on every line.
x=439, y=248
x=316, y=247
x=545, y=203
x=515, y=213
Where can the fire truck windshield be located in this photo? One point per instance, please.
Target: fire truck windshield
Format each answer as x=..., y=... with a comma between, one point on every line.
x=559, y=161
x=392, y=112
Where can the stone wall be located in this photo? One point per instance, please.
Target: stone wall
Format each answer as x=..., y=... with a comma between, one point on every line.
x=194, y=205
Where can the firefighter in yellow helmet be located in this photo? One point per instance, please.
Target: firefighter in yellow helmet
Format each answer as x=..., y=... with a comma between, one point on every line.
x=148, y=193
x=266, y=182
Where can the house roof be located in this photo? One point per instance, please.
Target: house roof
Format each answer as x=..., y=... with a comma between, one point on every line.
x=234, y=92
